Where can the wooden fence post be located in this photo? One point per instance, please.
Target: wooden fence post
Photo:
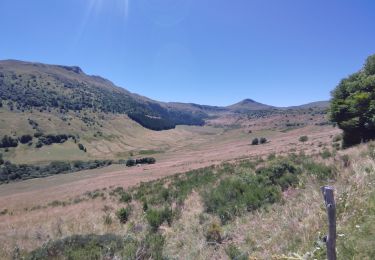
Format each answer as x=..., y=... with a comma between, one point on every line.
x=331, y=211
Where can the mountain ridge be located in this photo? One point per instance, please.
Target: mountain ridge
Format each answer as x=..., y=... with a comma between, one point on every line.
x=43, y=86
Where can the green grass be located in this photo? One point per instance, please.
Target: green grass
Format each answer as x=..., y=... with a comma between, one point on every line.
x=148, y=152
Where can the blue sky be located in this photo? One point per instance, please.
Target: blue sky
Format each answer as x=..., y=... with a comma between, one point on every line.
x=216, y=52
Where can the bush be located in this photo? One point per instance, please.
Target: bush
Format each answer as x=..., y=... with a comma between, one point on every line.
x=130, y=163
x=82, y=147
x=156, y=217
x=346, y=160
x=125, y=197
x=321, y=171
x=262, y=140
x=25, y=139
x=154, y=244
x=325, y=154
x=123, y=214
x=1, y=159
x=303, y=138
x=107, y=219
x=255, y=141
x=213, y=234
x=146, y=160
x=337, y=138
x=85, y=247
x=38, y=134
x=282, y=173
x=237, y=194
x=39, y=144
x=353, y=105
x=235, y=254
x=8, y=141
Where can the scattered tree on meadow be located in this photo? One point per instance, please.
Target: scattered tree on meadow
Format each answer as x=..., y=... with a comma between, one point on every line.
x=25, y=139
x=255, y=141
x=303, y=138
x=353, y=105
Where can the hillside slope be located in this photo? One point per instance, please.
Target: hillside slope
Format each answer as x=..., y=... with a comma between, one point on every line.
x=26, y=86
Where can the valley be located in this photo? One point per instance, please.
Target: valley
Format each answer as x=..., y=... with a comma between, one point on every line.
x=218, y=177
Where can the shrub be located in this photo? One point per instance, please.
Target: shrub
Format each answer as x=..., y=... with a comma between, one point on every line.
x=154, y=244
x=282, y=173
x=125, y=197
x=303, y=138
x=8, y=141
x=167, y=215
x=337, y=138
x=236, y=194
x=39, y=144
x=235, y=254
x=123, y=214
x=146, y=160
x=262, y=140
x=346, y=160
x=130, y=163
x=154, y=218
x=82, y=147
x=325, y=154
x=1, y=159
x=321, y=171
x=144, y=206
x=107, y=219
x=38, y=134
x=85, y=247
x=25, y=139
x=255, y=141
x=213, y=234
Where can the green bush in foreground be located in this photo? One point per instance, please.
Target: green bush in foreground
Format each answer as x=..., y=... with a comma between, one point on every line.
x=123, y=214
x=84, y=247
x=156, y=217
x=282, y=173
x=236, y=194
x=125, y=197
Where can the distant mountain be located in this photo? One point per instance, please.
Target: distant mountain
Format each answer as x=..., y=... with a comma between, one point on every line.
x=26, y=85
x=317, y=104
x=247, y=105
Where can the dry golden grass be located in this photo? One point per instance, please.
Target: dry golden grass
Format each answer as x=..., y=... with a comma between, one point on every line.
x=185, y=148
x=293, y=227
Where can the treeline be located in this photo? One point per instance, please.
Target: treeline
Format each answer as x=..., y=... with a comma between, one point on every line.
x=8, y=141
x=10, y=172
x=167, y=119
x=48, y=91
x=53, y=139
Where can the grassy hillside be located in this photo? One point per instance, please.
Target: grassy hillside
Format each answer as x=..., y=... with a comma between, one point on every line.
x=28, y=86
